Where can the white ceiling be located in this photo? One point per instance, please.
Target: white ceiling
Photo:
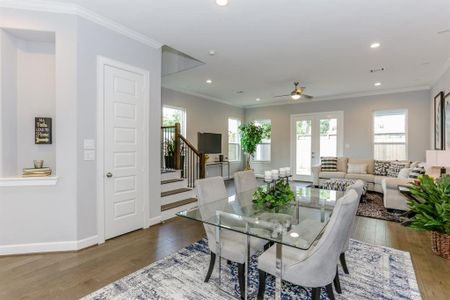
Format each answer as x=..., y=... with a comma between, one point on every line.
x=262, y=46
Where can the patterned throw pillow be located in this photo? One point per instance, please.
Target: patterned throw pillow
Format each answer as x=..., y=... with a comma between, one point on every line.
x=395, y=168
x=381, y=167
x=416, y=172
x=328, y=164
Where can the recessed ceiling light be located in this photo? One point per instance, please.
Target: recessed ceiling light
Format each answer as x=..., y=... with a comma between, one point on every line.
x=212, y=52
x=208, y=81
x=258, y=99
x=375, y=45
x=294, y=234
x=222, y=2
x=377, y=84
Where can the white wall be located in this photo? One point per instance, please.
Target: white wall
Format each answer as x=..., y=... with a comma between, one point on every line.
x=30, y=215
x=8, y=104
x=96, y=40
x=357, y=123
x=35, y=98
x=58, y=217
x=203, y=115
x=442, y=84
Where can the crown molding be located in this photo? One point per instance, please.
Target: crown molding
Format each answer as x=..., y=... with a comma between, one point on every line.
x=345, y=96
x=74, y=9
x=201, y=96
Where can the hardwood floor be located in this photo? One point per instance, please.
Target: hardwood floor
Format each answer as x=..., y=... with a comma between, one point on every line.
x=75, y=274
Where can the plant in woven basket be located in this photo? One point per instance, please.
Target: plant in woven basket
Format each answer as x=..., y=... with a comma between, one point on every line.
x=281, y=194
x=432, y=211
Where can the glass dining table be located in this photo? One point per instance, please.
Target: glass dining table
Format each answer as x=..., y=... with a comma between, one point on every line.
x=298, y=224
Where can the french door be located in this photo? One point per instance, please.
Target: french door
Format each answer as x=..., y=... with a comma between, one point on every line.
x=313, y=136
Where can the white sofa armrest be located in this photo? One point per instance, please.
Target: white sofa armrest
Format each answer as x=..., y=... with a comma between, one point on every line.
x=393, y=183
x=315, y=170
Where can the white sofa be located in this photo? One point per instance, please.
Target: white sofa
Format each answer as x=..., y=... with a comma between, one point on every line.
x=393, y=199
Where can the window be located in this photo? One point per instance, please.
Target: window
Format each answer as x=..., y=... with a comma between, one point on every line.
x=172, y=115
x=263, y=149
x=234, y=140
x=390, y=135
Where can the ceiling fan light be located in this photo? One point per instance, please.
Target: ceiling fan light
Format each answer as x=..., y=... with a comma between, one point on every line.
x=296, y=96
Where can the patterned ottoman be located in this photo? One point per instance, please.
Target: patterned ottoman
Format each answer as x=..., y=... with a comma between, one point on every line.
x=340, y=184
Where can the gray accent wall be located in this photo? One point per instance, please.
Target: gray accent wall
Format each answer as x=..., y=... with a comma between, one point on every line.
x=357, y=123
x=203, y=115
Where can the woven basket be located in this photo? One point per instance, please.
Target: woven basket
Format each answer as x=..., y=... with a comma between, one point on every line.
x=441, y=244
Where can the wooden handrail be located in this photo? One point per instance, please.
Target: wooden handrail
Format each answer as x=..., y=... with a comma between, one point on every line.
x=189, y=145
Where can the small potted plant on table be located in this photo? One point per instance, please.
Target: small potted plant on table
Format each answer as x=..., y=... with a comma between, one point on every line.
x=432, y=211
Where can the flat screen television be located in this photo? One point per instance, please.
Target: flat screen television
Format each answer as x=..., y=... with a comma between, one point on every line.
x=209, y=143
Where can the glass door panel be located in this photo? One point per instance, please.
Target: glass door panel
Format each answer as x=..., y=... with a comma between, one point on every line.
x=303, y=147
x=328, y=137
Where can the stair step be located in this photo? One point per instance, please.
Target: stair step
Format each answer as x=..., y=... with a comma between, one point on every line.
x=171, y=180
x=178, y=204
x=163, y=171
x=170, y=174
x=174, y=192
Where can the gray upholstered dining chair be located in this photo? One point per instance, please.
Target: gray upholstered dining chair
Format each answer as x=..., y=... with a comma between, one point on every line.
x=245, y=181
x=358, y=187
x=316, y=267
x=233, y=244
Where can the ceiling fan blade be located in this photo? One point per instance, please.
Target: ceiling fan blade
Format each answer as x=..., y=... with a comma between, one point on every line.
x=307, y=96
x=281, y=96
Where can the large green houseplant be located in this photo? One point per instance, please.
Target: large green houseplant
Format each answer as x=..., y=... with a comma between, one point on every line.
x=252, y=135
x=432, y=211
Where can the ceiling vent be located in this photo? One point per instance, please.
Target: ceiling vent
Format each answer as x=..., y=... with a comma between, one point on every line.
x=377, y=70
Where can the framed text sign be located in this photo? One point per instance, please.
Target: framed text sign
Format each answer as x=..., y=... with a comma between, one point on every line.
x=42, y=130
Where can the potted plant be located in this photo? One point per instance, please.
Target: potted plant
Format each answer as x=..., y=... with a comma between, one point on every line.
x=251, y=136
x=274, y=197
x=169, y=155
x=432, y=211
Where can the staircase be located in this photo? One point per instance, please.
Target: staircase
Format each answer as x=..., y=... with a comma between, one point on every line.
x=181, y=166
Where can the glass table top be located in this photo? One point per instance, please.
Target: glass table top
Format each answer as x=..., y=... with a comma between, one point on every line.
x=297, y=224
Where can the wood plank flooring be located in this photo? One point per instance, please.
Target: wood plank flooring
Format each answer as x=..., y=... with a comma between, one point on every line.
x=75, y=274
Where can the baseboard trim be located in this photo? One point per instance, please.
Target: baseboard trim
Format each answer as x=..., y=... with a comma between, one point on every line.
x=48, y=247
x=154, y=221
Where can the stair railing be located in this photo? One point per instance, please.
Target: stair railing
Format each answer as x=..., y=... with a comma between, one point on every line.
x=179, y=154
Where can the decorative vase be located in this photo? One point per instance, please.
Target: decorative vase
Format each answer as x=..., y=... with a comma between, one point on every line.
x=440, y=243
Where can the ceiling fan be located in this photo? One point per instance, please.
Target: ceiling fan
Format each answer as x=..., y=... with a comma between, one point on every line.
x=297, y=93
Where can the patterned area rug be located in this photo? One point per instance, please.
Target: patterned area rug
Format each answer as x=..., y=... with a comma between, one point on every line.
x=375, y=273
x=373, y=207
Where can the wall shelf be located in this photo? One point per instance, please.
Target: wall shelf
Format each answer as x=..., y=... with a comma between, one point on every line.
x=28, y=181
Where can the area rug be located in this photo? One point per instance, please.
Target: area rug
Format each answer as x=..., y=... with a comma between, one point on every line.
x=375, y=273
x=373, y=207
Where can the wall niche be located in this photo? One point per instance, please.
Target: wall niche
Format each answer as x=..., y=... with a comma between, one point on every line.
x=27, y=91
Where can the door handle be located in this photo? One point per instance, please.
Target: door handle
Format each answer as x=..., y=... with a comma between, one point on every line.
x=109, y=174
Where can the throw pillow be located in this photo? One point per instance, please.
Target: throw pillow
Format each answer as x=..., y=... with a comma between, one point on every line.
x=395, y=168
x=381, y=167
x=404, y=173
x=357, y=169
x=328, y=164
x=417, y=171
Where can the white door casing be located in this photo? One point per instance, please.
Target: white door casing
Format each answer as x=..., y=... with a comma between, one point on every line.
x=122, y=148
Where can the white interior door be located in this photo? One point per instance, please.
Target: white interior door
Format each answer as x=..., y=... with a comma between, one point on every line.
x=124, y=148
x=314, y=136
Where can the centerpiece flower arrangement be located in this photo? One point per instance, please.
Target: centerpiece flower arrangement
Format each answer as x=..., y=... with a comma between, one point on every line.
x=274, y=196
x=432, y=211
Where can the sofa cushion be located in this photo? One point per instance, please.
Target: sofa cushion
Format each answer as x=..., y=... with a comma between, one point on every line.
x=328, y=164
x=328, y=175
x=370, y=163
x=378, y=179
x=365, y=177
x=342, y=164
x=357, y=168
x=381, y=167
x=395, y=167
x=417, y=171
